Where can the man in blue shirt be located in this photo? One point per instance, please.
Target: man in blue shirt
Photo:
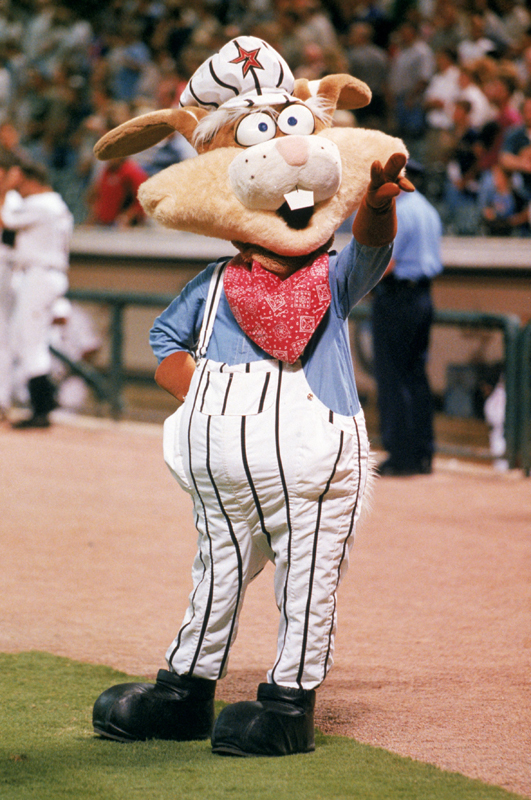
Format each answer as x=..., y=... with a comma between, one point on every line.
x=402, y=315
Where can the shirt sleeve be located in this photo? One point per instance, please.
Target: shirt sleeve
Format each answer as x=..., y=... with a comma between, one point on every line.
x=179, y=326
x=16, y=214
x=357, y=270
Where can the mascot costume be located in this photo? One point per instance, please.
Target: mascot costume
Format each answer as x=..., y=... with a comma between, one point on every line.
x=270, y=440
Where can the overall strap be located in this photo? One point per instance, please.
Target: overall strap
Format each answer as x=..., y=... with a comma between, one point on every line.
x=214, y=293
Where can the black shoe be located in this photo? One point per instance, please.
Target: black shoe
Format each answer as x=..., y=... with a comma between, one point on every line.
x=176, y=707
x=392, y=470
x=278, y=723
x=36, y=421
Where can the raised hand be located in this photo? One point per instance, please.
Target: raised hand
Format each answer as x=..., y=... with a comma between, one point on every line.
x=386, y=182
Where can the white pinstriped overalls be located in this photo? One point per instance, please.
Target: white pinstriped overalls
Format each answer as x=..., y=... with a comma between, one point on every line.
x=274, y=475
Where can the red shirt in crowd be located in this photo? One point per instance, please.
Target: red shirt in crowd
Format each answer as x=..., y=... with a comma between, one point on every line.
x=116, y=191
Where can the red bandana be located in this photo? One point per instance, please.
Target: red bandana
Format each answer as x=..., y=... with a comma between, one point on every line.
x=278, y=315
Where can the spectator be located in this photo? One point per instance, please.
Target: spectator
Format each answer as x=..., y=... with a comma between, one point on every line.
x=314, y=25
x=481, y=111
x=402, y=316
x=411, y=70
x=446, y=27
x=500, y=91
x=461, y=213
x=496, y=201
x=39, y=216
x=476, y=45
x=127, y=60
x=112, y=198
x=515, y=154
x=369, y=63
x=439, y=101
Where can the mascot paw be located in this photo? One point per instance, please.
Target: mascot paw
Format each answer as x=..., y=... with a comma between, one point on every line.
x=176, y=707
x=278, y=723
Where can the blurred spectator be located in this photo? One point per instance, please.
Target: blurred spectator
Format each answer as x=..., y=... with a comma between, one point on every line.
x=313, y=24
x=523, y=65
x=439, y=101
x=446, y=27
x=112, y=198
x=63, y=63
x=500, y=92
x=481, y=111
x=496, y=201
x=172, y=150
x=369, y=63
x=411, y=70
x=476, y=45
x=515, y=155
x=462, y=172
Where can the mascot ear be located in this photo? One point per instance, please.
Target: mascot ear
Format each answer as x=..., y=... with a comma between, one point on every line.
x=143, y=132
x=343, y=92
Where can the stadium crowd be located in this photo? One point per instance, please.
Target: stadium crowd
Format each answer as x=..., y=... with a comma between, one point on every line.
x=451, y=77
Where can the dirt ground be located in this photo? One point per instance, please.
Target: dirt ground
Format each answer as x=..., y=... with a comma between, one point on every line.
x=432, y=656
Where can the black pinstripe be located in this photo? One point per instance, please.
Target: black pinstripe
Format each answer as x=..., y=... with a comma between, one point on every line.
x=238, y=558
x=288, y=513
x=345, y=545
x=251, y=482
x=226, y=398
x=205, y=391
x=264, y=392
x=314, y=559
x=178, y=642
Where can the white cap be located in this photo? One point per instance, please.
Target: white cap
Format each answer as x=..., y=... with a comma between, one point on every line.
x=246, y=72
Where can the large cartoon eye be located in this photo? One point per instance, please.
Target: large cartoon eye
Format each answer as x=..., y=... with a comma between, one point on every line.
x=255, y=128
x=296, y=119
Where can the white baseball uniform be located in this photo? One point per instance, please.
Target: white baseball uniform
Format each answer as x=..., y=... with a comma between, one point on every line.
x=43, y=225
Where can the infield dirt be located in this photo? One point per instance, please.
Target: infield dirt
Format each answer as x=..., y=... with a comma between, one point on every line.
x=432, y=655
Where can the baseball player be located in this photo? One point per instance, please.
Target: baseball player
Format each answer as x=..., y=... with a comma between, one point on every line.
x=43, y=226
x=6, y=301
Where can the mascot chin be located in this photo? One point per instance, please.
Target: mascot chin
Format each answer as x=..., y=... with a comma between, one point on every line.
x=270, y=440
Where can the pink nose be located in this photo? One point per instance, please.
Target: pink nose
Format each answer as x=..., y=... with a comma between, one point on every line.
x=293, y=149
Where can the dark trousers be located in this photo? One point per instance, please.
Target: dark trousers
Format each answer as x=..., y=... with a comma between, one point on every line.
x=402, y=315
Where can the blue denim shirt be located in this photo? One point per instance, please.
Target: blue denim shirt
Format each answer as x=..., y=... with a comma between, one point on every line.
x=327, y=360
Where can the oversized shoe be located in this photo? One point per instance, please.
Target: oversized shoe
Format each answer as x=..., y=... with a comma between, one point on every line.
x=176, y=707
x=278, y=723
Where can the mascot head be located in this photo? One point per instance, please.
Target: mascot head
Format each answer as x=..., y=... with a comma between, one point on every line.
x=272, y=174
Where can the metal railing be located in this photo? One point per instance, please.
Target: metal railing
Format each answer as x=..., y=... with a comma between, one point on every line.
x=517, y=358
x=509, y=325
x=525, y=399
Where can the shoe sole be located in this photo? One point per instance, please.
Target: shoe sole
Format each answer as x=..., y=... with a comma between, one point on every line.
x=116, y=737
x=231, y=750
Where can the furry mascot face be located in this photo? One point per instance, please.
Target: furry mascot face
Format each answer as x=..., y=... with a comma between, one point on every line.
x=271, y=172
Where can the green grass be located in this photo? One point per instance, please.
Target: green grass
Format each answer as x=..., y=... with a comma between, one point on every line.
x=48, y=752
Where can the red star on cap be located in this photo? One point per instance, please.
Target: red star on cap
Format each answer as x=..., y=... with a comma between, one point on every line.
x=249, y=57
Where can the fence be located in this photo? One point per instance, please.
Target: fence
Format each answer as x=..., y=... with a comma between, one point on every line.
x=525, y=399
x=517, y=356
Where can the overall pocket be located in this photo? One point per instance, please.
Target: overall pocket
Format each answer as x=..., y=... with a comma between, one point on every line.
x=171, y=449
